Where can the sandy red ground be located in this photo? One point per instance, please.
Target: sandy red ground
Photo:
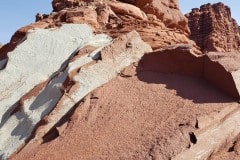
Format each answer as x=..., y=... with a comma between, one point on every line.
x=145, y=116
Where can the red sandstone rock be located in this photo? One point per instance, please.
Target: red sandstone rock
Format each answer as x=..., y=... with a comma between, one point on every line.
x=159, y=24
x=178, y=59
x=127, y=9
x=213, y=28
x=149, y=98
x=220, y=69
x=85, y=14
x=163, y=25
x=167, y=11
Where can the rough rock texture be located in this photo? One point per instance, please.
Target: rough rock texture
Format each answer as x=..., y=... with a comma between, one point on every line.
x=213, y=28
x=137, y=115
x=25, y=108
x=230, y=151
x=21, y=111
x=220, y=69
x=37, y=51
x=141, y=95
x=131, y=117
x=159, y=24
x=96, y=90
x=19, y=36
x=217, y=136
x=178, y=59
x=166, y=10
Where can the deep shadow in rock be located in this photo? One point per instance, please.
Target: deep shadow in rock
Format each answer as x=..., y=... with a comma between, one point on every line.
x=181, y=71
x=24, y=127
x=193, y=88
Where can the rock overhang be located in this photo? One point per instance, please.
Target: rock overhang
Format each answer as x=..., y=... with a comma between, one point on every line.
x=220, y=69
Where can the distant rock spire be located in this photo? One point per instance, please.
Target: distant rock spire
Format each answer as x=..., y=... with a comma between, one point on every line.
x=213, y=28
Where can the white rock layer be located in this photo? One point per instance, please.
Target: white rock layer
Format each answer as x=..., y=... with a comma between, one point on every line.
x=39, y=58
x=19, y=126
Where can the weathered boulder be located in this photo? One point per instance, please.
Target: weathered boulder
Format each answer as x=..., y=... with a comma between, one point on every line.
x=124, y=8
x=85, y=14
x=159, y=22
x=61, y=4
x=165, y=10
x=213, y=28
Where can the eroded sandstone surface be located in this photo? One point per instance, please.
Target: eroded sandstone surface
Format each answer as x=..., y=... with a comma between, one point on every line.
x=213, y=28
x=121, y=80
x=166, y=25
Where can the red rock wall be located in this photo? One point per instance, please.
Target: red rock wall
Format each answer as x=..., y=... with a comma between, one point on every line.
x=167, y=11
x=159, y=22
x=213, y=28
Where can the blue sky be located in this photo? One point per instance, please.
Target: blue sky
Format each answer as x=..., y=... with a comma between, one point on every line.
x=18, y=13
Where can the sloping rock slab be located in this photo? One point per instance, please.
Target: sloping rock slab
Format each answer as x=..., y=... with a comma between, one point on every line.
x=20, y=125
x=37, y=59
x=115, y=57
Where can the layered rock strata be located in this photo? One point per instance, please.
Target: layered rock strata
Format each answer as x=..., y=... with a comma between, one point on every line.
x=42, y=89
x=213, y=28
x=161, y=108
x=159, y=24
x=107, y=94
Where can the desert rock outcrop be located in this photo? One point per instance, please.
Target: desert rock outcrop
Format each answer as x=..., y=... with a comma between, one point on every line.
x=160, y=24
x=213, y=28
x=40, y=89
x=120, y=79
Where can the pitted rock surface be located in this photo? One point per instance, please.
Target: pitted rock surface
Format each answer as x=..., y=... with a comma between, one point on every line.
x=213, y=28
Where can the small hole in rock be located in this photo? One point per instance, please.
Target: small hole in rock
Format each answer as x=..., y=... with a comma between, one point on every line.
x=196, y=124
x=231, y=149
x=180, y=125
x=193, y=138
x=51, y=135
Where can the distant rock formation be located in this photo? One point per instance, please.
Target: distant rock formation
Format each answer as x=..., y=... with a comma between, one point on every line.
x=213, y=28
